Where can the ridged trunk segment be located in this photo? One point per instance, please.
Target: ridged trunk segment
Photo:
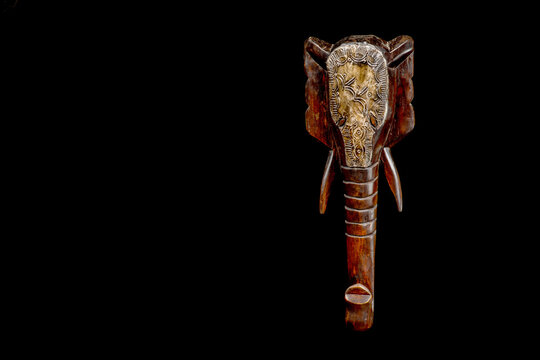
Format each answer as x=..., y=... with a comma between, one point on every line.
x=361, y=195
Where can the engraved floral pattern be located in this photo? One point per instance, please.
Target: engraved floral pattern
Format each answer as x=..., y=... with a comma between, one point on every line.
x=358, y=84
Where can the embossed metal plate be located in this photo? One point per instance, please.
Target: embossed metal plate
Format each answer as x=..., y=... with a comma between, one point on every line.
x=358, y=85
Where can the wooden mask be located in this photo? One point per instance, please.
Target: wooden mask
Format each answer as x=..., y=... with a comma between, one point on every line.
x=359, y=92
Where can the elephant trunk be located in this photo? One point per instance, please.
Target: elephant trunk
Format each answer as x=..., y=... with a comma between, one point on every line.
x=361, y=195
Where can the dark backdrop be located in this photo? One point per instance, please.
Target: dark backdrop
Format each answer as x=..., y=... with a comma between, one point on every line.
x=445, y=265
x=442, y=263
x=199, y=183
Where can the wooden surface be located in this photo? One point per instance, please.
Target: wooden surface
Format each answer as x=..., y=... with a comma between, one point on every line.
x=328, y=178
x=359, y=94
x=360, y=233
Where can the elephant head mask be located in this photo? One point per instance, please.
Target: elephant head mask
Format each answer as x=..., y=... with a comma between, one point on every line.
x=359, y=92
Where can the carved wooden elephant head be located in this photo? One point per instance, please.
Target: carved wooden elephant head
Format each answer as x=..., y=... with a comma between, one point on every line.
x=359, y=92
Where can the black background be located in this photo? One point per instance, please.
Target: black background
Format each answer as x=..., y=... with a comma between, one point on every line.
x=185, y=128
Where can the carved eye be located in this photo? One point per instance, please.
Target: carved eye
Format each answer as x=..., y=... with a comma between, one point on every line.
x=373, y=119
x=342, y=120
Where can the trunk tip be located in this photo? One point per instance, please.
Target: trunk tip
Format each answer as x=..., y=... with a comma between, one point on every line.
x=359, y=307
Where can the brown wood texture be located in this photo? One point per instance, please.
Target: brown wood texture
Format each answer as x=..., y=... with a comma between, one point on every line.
x=360, y=270
x=391, y=64
x=328, y=178
x=390, y=171
x=317, y=121
x=361, y=190
x=360, y=234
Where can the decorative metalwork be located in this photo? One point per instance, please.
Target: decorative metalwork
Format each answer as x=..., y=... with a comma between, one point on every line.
x=358, y=84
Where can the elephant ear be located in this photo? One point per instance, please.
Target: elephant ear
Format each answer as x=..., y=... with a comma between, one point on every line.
x=317, y=117
x=318, y=123
x=402, y=61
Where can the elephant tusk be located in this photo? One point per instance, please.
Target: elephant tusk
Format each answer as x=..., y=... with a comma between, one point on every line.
x=392, y=176
x=328, y=177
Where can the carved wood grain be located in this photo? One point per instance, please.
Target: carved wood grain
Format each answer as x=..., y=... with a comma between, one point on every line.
x=361, y=179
